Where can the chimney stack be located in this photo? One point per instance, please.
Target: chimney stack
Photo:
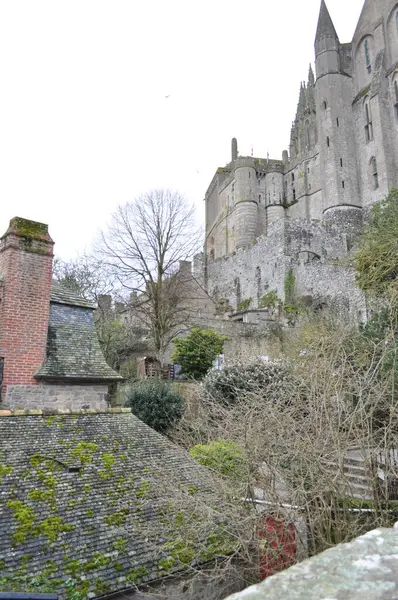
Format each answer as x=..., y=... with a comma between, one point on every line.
x=26, y=256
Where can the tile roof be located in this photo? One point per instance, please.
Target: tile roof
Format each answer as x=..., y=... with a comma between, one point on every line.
x=61, y=294
x=73, y=349
x=88, y=503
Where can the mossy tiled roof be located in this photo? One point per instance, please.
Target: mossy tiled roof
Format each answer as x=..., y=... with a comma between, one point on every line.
x=73, y=349
x=96, y=503
x=63, y=295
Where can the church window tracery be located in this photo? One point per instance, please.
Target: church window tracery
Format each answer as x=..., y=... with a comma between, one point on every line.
x=367, y=57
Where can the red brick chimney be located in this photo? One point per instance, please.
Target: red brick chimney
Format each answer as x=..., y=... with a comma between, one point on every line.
x=26, y=254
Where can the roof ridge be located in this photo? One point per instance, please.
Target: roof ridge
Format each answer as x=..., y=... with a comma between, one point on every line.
x=8, y=412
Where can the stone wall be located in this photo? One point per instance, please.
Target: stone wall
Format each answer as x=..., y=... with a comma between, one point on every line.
x=316, y=255
x=55, y=397
x=366, y=568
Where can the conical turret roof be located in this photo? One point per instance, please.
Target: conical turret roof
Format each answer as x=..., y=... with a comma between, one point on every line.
x=325, y=23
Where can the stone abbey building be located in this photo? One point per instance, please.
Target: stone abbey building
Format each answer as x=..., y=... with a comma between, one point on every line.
x=299, y=216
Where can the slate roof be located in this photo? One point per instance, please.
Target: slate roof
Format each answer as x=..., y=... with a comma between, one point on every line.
x=73, y=350
x=61, y=294
x=97, y=503
x=325, y=23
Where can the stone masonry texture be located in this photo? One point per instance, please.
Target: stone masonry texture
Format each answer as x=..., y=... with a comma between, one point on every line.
x=343, y=159
x=53, y=397
x=365, y=569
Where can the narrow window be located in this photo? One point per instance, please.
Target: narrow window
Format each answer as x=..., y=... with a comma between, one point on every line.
x=328, y=141
x=343, y=184
x=341, y=162
x=259, y=198
x=368, y=123
x=292, y=176
x=396, y=97
x=367, y=57
x=338, y=122
x=308, y=169
x=375, y=174
x=249, y=174
x=294, y=194
x=325, y=105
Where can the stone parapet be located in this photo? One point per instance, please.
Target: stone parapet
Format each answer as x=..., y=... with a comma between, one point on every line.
x=366, y=568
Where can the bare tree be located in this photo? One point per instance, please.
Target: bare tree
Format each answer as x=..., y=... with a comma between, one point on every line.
x=319, y=430
x=144, y=245
x=86, y=275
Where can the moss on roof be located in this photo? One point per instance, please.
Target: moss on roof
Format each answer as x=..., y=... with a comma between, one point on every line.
x=62, y=294
x=73, y=350
x=96, y=503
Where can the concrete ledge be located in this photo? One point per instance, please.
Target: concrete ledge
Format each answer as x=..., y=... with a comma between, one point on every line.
x=365, y=569
x=89, y=411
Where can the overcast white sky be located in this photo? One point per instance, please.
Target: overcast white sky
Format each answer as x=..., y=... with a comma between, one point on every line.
x=104, y=99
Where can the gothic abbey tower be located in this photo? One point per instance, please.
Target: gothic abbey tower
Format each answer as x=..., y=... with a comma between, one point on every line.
x=301, y=215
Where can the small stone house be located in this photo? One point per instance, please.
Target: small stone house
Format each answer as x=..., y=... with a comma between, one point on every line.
x=49, y=351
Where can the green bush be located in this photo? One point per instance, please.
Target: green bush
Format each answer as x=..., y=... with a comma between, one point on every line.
x=156, y=403
x=269, y=300
x=236, y=381
x=376, y=261
x=197, y=351
x=244, y=304
x=224, y=457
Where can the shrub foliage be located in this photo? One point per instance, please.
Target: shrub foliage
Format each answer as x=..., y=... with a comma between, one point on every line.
x=156, y=403
x=240, y=379
x=224, y=457
x=197, y=351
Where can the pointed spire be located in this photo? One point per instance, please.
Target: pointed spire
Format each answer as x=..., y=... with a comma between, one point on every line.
x=302, y=101
x=325, y=23
x=311, y=78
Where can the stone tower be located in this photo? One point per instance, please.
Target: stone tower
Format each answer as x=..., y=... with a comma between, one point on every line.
x=245, y=201
x=334, y=92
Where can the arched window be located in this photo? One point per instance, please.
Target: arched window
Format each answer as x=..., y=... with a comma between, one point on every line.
x=368, y=123
x=367, y=57
x=396, y=96
x=375, y=176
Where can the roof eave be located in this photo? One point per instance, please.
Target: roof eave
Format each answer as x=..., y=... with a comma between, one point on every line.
x=76, y=379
